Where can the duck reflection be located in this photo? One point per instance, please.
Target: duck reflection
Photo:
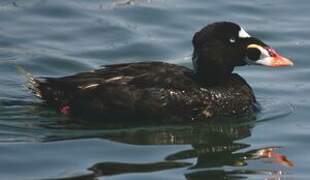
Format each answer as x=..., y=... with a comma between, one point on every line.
x=213, y=146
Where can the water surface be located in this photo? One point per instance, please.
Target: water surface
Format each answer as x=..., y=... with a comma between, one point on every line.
x=56, y=38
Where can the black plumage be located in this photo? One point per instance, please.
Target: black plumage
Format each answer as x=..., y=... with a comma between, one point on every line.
x=146, y=90
x=160, y=91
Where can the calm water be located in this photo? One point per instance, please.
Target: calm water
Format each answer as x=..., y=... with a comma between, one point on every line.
x=56, y=37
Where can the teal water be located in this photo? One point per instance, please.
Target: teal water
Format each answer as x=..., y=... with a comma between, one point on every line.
x=56, y=38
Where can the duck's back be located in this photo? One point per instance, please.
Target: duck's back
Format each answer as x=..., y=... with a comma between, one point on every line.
x=145, y=91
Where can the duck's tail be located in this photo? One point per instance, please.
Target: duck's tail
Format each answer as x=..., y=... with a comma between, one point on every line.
x=33, y=83
x=47, y=89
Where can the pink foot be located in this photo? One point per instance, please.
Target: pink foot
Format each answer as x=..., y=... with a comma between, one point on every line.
x=65, y=110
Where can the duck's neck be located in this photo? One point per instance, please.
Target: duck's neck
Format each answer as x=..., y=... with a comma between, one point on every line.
x=211, y=73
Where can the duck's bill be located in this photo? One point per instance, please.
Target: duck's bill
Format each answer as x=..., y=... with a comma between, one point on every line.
x=274, y=59
x=269, y=57
x=280, y=61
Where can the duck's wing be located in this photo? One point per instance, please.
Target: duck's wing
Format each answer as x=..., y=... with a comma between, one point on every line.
x=111, y=81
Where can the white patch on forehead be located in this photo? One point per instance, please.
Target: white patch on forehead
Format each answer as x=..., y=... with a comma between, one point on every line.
x=243, y=33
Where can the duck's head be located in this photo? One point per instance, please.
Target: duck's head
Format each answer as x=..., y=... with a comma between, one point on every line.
x=221, y=46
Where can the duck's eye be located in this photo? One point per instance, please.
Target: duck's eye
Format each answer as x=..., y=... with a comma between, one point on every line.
x=253, y=54
x=232, y=40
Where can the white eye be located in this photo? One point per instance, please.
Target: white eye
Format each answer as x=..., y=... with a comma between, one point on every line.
x=243, y=33
x=232, y=40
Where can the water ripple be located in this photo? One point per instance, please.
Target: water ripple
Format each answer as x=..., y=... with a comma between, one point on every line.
x=55, y=38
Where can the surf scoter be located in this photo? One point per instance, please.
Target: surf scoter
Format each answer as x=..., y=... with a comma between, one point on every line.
x=160, y=91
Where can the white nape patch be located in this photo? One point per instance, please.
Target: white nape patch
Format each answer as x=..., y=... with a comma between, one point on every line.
x=243, y=33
